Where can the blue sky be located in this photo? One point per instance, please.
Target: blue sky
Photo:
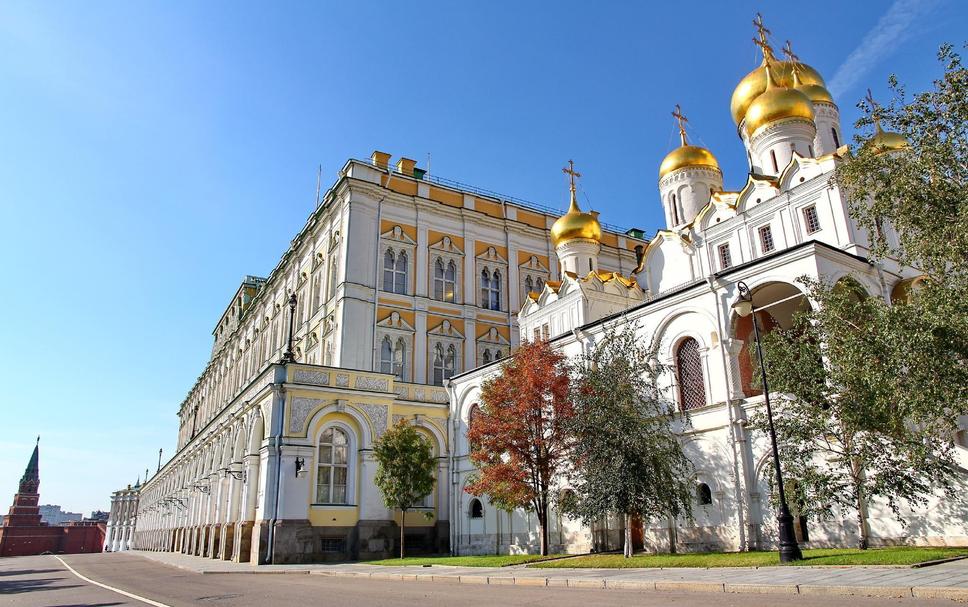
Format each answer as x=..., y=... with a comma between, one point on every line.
x=151, y=154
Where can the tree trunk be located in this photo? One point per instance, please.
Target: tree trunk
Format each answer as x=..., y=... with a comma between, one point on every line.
x=403, y=527
x=857, y=473
x=543, y=525
x=628, y=536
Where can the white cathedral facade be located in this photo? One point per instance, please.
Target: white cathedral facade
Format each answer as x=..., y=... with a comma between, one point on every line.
x=404, y=292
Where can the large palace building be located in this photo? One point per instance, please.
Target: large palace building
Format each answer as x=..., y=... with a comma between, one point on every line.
x=403, y=292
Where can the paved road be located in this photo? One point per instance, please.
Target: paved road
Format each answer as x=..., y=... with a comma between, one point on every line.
x=44, y=581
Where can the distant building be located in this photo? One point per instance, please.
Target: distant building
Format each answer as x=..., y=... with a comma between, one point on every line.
x=24, y=533
x=122, y=518
x=98, y=516
x=52, y=514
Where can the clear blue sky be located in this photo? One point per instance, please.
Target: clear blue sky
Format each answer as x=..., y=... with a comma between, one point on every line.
x=151, y=154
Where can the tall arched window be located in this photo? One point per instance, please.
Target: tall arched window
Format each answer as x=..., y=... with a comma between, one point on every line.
x=445, y=280
x=386, y=356
x=528, y=286
x=332, y=280
x=692, y=389
x=491, y=289
x=450, y=361
x=476, y=509
x=389, y=262
x=486, y=356
x=332, y=467
x=400, y=359
x=438, y=365
x=400, y=274
x=833, y=132
x=539, y=285
x=704, y=494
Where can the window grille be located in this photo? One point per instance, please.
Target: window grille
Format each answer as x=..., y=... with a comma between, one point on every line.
x=766, y=239
x=692, y=389
x=333, y=544
x=811, y=220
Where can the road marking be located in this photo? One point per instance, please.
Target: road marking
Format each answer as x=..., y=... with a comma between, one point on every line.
x=111, y=588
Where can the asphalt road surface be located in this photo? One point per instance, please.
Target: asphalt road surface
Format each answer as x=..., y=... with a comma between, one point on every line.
x=43, y=581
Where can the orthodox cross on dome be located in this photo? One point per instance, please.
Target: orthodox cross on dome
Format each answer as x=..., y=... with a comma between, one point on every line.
x=682, y=120
x=762, y=37
x=572, y=173
x=875, y=110
x=792, y=57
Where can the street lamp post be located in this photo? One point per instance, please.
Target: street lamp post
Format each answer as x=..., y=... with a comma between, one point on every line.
x=789, y=549
x=290, y=356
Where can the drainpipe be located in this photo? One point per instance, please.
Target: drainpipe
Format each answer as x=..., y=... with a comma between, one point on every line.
x=740, y=503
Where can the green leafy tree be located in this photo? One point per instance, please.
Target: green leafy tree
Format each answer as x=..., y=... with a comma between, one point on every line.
x=627, y=459
x=405, y=470
x=921, y=192
x=845, y=432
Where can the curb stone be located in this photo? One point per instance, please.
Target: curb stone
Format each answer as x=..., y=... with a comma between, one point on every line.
x=690, y=586
x=878, y=591
x=761, y=588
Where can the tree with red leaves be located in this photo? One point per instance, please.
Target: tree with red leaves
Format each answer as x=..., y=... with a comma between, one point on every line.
x=519, y=435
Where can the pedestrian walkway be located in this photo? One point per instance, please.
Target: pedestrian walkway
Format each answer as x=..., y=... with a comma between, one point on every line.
x=946, y=580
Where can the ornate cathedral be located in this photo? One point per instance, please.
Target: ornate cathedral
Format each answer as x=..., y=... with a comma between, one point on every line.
x=403, y=292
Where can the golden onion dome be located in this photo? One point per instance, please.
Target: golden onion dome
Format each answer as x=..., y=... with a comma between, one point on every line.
x=687, y=156
x=776, y=103
x=886, y=141
x=575, y=225
x=754, y=84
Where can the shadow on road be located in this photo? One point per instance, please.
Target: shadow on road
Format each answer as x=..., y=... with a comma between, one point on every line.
x=21, y=586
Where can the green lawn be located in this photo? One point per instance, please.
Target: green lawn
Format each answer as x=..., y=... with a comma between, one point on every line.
x=463, y=561
x=875, y=556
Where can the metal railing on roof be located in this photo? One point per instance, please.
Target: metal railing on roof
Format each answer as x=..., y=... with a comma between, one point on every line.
x=458, y=185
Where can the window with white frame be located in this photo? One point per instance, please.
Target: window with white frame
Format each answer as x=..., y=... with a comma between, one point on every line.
x=491, y=289
x=445, y=280
x=811, y=220
x=395, y=268
x=766, y=239
x=725, y=259
x=444, y=362
x=332, y=470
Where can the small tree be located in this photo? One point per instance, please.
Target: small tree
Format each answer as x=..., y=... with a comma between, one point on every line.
x=405, y=470
x=847, y=435
x=627, y=458
x=519, y=438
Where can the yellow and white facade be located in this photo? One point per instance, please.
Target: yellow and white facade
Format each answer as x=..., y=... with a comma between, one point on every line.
x=401, y=282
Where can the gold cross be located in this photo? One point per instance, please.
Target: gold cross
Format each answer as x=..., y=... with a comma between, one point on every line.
x=875, y=115
x=788, y=51
x=682, y=120
x=762, y=40
x=572, y=173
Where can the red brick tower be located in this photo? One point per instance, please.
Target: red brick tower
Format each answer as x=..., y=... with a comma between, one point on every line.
x=25, y=511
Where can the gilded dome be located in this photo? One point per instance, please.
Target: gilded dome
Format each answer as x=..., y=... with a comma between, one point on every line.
x=776, y=103
x=886, y=141
x=575, y=225
x=754, y=84
x=687, y=156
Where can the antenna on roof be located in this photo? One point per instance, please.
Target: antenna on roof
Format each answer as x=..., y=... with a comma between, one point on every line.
x=428, y=163
x=319, y=176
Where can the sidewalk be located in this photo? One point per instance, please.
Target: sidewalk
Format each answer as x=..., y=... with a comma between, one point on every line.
x=947, y=580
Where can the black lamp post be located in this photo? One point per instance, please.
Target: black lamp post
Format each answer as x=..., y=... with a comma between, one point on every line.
x=789, y=549
x=290, y=356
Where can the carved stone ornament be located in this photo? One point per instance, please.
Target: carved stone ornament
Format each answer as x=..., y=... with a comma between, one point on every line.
x=342, y=380
x=372, y=383
x=378, y=418
x=306, y=376
x=300, y=411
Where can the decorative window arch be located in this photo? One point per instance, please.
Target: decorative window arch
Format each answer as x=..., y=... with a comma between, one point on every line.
x=445, y=280
x=386, y=356
x=491, y=289
x=704, y=495
x=692, y=388
x=486, y=356
x=334, y=466
x=395, y=271
x=476, y=509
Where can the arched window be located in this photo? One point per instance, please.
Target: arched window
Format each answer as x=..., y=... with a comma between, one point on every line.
x=485, y=288
x=332, y=467
x=692, y=389
x=675, y=210
x=776, y=167
x=386, y=356
x=704, y=494
x=438, y=365
x=445, y=280
x=450, y=362
x=528, y=286
x=539, y=285
x=486, y=357
x=332, y=280
x=400, y=274
x=476, y=509
x=495, y=291
x=389, y=262
x=833, y=132
x=400, y=359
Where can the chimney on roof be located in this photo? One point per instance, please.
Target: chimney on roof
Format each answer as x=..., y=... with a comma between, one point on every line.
x=405, y=166
x=380, y=159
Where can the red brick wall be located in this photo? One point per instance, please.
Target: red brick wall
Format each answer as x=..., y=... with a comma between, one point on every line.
x=24, y=541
